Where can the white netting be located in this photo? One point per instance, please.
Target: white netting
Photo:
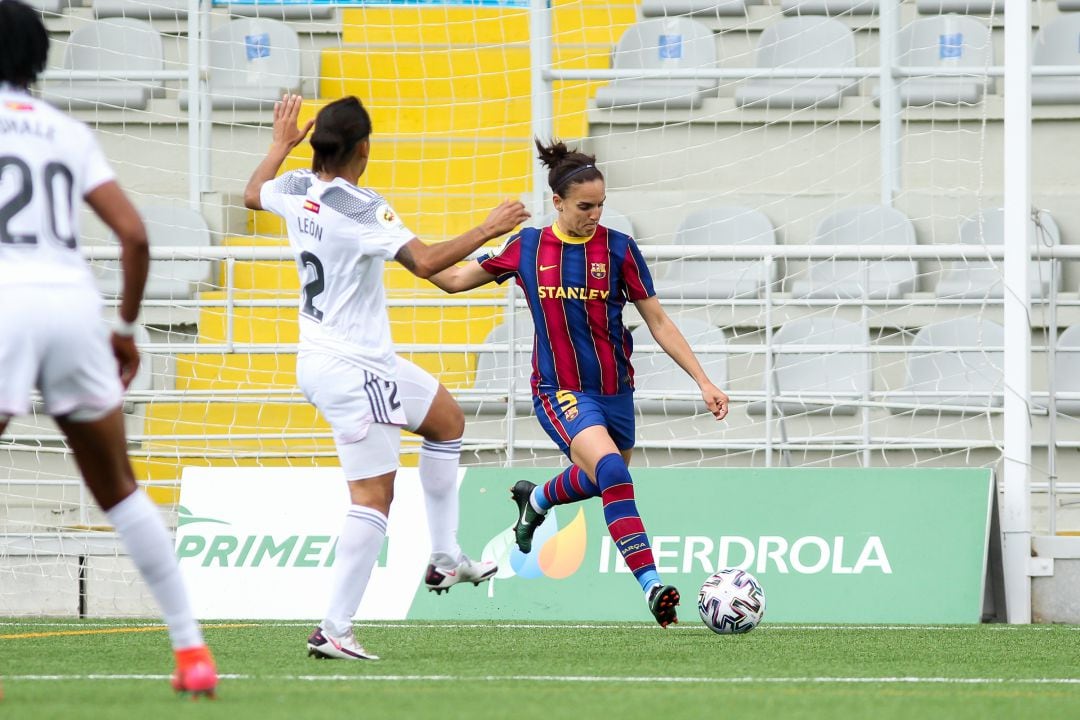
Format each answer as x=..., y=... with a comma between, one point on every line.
x=780, y=144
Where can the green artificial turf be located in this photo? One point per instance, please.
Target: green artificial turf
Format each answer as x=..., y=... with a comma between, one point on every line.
x=522, y=671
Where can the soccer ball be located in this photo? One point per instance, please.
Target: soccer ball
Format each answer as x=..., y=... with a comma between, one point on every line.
x=731, y=601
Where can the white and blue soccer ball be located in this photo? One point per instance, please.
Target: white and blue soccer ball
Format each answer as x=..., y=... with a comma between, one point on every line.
x=731, y=601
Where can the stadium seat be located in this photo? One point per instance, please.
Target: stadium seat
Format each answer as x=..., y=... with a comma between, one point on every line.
x=169, y=279
x=52, y=7
x=718, y=279
x=144, y=378
x=966, y=377
x=253, y=62
x=611, y=218
x=109, y=47
x=1057, y=43
x=862, y=225
x=830, y=7
x=983, y=278
x=669, y=43
x=656, y=372
x=700, y=8
x=281, y=11
x=1068, y=5
x=1067, y=370
x=794, y=42
x=493, y=373
x=141, y=9
x=833, y=377
x=965, y=7
x=945, y=41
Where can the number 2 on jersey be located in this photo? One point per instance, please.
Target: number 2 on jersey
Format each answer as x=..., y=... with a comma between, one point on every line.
x=311, y=265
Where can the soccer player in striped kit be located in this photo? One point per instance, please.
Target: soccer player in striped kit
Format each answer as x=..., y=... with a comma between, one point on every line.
x=577, y=276
x=341, y=236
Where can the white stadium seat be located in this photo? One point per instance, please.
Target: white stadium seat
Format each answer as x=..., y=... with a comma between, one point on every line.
x=656, y=372
x=968, y=7
x=714, y=278
x=831, y=376
x=861, y=225
x=109, y=47
x=945, y=41
x=166, y=226
x=281, y=11
x=493, y=369
x=1057, y=43
x=698, y=8
x=983, y=278
x=142, y=9
x=253, y=62
x=669, y=43
x=1067, y=370
x=830, y=7
x=967, y=378
x=794, y=42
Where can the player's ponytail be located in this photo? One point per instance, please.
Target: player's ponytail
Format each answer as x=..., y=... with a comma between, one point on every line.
x=566, y=167
x=339, y=128
x=25, y=48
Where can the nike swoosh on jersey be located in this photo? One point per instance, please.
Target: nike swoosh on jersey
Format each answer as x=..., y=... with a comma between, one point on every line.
x=547, y=267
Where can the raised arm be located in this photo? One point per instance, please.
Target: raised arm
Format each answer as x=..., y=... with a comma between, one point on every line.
x=287, y=135
x=667, y=336
x=460, y=278
x=426, y=261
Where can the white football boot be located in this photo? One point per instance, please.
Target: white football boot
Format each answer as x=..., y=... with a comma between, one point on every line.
x=322, y=644
x=443, y=573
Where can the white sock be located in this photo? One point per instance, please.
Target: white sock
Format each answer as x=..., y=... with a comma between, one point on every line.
x=439, y=474
x=143, y=533
x=357, y=550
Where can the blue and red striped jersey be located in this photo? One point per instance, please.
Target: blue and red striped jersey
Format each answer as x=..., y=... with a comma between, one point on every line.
x=576, y=289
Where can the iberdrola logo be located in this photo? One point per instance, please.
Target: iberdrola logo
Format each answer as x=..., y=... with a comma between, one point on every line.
x=557, y=552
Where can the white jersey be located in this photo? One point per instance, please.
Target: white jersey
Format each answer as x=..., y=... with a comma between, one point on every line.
x=48, y=164
x=341, y=235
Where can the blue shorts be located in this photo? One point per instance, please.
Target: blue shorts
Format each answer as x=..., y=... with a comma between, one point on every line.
x=564, y=413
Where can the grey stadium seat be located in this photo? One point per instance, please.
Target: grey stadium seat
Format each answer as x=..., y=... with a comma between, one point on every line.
x=1068, y=5
x=840, y=374
x=281, y=11
x=656, y=372
x=493, y=371
x=701, y=8
x=945, y=41
x=1067, y=370
x=966, y=378
x=669, y=43
x=714, y=278
x=253, y=62
x=794, y=42
x=169, y=279
x=141, y=9
x=51, y=7
x=109, y=47
x=830, y=7
x=968, y=7
x=1057, y=43
x=861, y=225
x=983, y=278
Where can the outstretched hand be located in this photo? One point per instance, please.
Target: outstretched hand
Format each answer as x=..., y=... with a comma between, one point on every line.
x=506, y=216
x=287, y=132
x=716, y=400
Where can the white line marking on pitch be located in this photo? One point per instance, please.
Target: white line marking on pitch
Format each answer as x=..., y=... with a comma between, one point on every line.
x=581, y=679
x=689, y=626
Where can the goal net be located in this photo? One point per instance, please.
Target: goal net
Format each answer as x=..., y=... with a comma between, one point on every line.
x=720, y=125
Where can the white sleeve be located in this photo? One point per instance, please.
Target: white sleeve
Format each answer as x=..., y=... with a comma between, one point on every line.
x=269, y=198
x=386, y=234
x=95, y=171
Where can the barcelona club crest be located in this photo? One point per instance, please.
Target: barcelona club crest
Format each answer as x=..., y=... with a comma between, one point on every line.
x=598, y=270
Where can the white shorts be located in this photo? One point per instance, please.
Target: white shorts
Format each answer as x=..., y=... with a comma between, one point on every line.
x=366, y=411
x=54, y=338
